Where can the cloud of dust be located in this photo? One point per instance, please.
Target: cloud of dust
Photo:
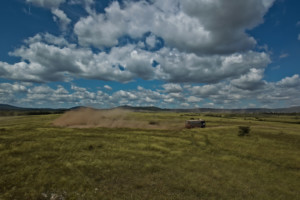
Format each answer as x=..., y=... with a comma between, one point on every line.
x=89, y=118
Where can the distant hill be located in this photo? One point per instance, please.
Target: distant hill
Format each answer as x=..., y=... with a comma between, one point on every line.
x=9, y=107
x=295, y=109
x=9, y=110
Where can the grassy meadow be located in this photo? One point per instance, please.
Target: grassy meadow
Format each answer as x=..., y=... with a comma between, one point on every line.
x=42, y=161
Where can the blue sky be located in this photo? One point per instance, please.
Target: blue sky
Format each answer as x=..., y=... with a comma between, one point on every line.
x=170, y=54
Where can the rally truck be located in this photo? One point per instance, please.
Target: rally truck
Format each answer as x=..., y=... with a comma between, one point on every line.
x=195, y=123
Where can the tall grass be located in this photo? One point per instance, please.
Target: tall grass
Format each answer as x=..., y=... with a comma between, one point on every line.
x=41, y=161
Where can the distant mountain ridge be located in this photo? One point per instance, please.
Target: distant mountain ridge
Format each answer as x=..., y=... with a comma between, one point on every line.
x=7, y=107
x=294, y=109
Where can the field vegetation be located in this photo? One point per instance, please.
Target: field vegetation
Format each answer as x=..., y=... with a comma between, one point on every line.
x=160, y=160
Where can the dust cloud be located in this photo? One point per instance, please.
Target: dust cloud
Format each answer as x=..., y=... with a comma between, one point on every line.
x=90, y=118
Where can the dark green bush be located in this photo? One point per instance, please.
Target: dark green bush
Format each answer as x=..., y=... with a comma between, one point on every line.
x=153, y=123
x=244, y=130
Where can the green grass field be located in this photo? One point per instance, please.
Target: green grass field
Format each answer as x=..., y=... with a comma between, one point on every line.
x=40, y=161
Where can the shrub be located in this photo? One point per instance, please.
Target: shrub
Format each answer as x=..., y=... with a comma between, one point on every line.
x=153, y=123
x=244, y=130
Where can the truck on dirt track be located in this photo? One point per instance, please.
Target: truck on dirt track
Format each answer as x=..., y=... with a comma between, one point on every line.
x=195, y=123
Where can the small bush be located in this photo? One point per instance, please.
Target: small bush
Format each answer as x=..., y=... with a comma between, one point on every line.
x=91, y=147
x=2, y=130
x=153, y=123
x=244, y=131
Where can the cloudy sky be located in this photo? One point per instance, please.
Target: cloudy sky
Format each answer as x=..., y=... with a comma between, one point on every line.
x=166, y=53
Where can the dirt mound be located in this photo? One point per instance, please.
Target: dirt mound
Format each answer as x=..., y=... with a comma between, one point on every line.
x=89, y=118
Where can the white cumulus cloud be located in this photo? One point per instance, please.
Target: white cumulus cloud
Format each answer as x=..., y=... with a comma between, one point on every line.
x=46, y=3
x=107, y=87
x=193, y=26
x=61, y=18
